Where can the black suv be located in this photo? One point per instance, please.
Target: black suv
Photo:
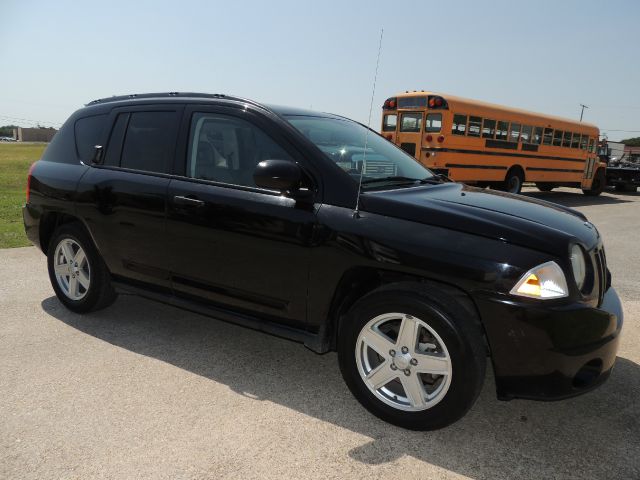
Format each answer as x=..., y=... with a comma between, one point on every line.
x=310, y=226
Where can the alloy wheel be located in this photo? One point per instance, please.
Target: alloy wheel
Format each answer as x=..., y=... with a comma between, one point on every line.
x=403, y=361
x=72, y=269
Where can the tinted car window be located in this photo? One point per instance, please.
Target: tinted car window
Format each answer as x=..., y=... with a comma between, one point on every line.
x=114, y=146
x=88, y=134
x=150, y=141
x=227, y=149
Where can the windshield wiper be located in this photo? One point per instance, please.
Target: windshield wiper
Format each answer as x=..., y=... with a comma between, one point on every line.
x=400, y=180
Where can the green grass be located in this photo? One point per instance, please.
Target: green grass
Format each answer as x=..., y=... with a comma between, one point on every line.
x=15, y=160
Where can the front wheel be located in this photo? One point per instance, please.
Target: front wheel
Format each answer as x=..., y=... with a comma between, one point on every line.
x=598, y=184
x=412, y=357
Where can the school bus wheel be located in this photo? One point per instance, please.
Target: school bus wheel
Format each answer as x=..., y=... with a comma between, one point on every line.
x=598, y=184
x=545, y=186
x=513, y=180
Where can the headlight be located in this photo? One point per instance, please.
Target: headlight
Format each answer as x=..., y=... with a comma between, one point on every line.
x=578, y=265
x=545, y=282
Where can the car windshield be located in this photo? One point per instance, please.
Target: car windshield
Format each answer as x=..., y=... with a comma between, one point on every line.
x=343, y=141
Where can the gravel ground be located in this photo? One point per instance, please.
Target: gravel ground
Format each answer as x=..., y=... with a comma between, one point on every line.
x=143, y=390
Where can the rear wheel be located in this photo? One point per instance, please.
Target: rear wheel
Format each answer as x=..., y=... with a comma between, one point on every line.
x=411, y=357
x=598, y=184
x=513, y=181
x=544, y=186
x=77, y=273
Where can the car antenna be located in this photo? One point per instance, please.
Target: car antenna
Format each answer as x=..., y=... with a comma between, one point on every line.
x=356, y=212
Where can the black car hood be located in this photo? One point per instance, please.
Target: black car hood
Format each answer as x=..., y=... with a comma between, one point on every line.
x=516, y=219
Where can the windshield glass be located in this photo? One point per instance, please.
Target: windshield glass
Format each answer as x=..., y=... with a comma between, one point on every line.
x=343, y=142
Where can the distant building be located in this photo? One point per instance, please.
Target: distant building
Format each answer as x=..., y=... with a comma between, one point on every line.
x=630, y=151
x=34, y=134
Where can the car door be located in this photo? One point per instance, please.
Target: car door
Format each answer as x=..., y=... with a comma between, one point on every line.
x=123, y=198
x=230, y=242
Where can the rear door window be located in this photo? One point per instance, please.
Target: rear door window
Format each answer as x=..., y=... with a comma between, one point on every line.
x=411, y=122
x=149, y=142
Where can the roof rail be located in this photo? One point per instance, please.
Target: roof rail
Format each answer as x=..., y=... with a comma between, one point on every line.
x=170, y=95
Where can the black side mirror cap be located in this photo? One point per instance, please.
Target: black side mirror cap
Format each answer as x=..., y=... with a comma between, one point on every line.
x=280, y=175
x=97, y=154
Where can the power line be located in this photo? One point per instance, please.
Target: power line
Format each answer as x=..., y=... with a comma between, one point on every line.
x=28, y=120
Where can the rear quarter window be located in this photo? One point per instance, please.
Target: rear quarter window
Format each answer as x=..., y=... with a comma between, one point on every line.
x=88, y=134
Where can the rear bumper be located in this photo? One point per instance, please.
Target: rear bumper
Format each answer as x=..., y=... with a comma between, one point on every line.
x=551, y=353
x=31, y=218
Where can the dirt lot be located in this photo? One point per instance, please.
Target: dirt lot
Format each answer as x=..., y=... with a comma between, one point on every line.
x=142, y=390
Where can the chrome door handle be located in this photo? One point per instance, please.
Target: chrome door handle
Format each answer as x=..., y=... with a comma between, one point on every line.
x=187, y=201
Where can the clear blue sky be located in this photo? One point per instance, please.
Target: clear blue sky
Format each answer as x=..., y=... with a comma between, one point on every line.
x=546, y=56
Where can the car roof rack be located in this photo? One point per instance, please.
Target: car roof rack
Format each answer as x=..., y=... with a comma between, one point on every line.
x=118, y=98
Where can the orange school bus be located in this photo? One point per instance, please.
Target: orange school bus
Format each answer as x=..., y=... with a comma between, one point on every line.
x=492, y=145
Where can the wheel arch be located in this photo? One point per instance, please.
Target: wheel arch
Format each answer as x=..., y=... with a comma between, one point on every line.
x=50, y=221
x=360, y=281
x=516, y=168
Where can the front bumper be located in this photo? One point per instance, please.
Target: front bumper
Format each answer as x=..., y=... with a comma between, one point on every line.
x=550, y=352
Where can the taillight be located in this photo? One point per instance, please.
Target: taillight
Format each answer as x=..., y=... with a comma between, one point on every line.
x=427, y=154
x=29, y=180
x=389, y=137
x=429, y=138
x=441, y=139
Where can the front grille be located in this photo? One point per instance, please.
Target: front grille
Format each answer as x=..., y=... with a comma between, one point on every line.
x=602, y=280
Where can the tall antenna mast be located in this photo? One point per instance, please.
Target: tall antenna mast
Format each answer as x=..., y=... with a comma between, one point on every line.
x=356, y=212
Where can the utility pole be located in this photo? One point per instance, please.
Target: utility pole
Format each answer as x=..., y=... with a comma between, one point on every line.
x=582, y=111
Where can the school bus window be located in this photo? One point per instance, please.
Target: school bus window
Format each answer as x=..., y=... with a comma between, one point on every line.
x=526, y=133
x=537, y=135
x=557, y=138
x=488, y=128
x=411, y=122
x=459, y=125
x=590, y=145
x=583, y=142
x=566, y=140
x=475, y=124
x=434, y=122
x=515, y=132
x=502, y=130
x=575, y=141
x=389, y=123
x=548, y=136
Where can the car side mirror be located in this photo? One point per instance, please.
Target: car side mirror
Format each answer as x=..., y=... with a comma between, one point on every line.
x=281, y=175
x=97, y=154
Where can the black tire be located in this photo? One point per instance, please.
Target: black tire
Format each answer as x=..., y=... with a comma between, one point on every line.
x=544, y=186
x=513, y=181
x=458, y=329
x=599, y=182
x=100, y=293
